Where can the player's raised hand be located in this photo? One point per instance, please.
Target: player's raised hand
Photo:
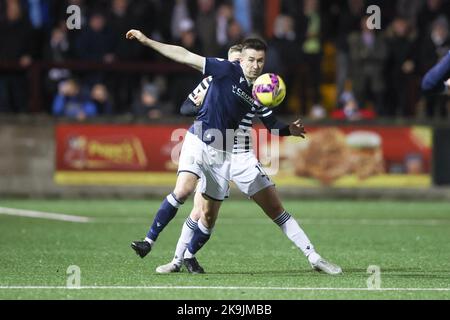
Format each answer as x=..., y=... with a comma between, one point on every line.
x=135, y=34
x=297, y=129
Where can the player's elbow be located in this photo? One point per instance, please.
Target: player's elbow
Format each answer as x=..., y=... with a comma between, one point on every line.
x=428, y=86
x=188, y=109
x=184, y=112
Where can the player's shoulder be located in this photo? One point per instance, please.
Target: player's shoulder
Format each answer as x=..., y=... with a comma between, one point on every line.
x=223, y=62
x=220, y=68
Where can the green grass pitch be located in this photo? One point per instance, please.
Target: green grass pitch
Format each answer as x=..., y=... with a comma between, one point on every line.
x=248, y=257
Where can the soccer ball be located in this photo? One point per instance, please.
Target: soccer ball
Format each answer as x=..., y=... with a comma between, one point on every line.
x=269, y=90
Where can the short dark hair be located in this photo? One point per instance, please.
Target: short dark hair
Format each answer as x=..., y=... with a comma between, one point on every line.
x=235, y=48
x=255, y=44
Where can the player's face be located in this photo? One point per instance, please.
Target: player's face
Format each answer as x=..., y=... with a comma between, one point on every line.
x=252, y=63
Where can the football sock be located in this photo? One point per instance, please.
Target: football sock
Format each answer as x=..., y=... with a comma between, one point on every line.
x=166, y=212
x=294, y=232
x=201, y=236
x=187, y=232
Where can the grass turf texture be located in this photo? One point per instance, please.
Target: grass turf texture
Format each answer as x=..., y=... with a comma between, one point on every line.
x=410, y=241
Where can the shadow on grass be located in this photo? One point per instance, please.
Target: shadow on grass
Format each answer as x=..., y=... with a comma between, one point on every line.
x=390, y=272
x=301, y=272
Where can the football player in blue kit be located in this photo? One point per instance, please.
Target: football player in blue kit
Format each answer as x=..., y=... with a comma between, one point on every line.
x=250, y=178
x=208, y=146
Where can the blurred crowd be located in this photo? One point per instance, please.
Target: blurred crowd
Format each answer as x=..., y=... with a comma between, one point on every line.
x=313, y=45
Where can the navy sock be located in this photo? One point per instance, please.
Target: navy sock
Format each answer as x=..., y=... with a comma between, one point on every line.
x=199, y=239
x=165, y=214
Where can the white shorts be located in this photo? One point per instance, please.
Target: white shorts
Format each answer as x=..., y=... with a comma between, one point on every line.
x=211, y=165
x=248, y=174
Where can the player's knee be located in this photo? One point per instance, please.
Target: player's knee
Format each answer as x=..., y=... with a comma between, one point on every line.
x=183, y=193
x=196, y=213
x=274, y=211
x=209, y=219
x=186, y=183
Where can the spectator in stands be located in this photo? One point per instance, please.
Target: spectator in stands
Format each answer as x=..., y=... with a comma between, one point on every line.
x=183, y=83
x=258, y=16
x=206, y=27
x=284, y=42
x=41, y=21
x=400, y=68
x=235, y=35
x=95, y=42
x=429, y=13
x=100, y=98
x=243, y=15
x=70, y=103
x=409, y=9
x=148, y=103
x=180, y=12
x=349, y=22
x=225, y=13
x=154, y=17
x=309, y=31
x=283, y=53
x=229, y=30
x=59, y=10
x=58, y=49
x=368, y=54
x=349, y=109
x=120, y=18
x=15, y=33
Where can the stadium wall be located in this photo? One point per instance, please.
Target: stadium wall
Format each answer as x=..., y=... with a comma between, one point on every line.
x=28, y=162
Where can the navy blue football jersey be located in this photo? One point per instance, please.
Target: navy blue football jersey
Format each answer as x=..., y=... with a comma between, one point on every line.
x=226, y=103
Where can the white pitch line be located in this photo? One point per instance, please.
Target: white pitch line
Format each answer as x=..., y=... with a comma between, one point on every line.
x=213, y=288
x=43, y=215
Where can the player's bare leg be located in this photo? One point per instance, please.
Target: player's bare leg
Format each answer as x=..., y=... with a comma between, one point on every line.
x=185, y=186
x=270, y=202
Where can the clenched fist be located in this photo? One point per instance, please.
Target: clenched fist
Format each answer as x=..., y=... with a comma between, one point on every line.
x=135, y=34
x=297, y=130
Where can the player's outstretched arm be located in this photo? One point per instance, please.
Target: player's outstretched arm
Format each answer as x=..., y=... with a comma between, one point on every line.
x=436, y=80
x=295, y=129
x=175, y=53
